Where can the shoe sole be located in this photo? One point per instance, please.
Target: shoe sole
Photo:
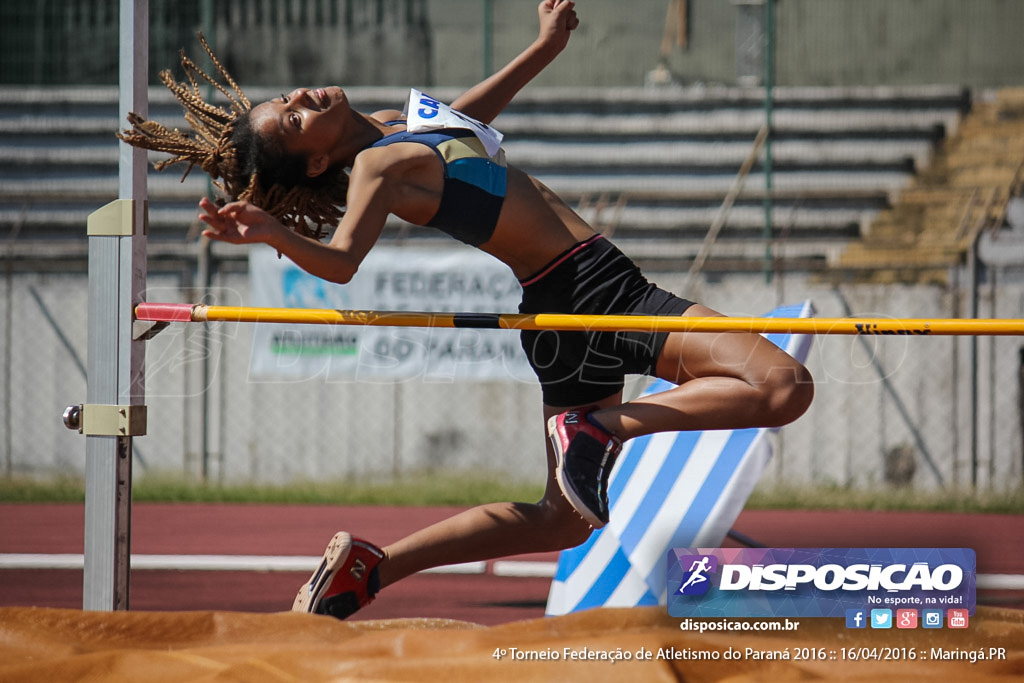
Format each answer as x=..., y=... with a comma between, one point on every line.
x=563, y=481
x=334, y=559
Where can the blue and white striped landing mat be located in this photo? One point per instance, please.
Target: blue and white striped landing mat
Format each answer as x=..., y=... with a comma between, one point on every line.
x=669, y=490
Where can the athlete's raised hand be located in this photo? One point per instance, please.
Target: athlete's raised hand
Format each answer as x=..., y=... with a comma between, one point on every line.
x=557, y=20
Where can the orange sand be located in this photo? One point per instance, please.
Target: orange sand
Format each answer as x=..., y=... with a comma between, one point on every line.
x=51, y=645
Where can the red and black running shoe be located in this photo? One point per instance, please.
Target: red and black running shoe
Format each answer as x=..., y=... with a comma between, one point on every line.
x=584, y=456
x=346, y=580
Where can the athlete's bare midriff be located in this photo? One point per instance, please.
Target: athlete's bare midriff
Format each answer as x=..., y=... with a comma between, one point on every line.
x=535, y=226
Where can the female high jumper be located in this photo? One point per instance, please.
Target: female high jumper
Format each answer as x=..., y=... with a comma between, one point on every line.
x=296, y=166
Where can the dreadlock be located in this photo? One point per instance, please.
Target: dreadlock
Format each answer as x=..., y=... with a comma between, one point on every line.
x=242, y=164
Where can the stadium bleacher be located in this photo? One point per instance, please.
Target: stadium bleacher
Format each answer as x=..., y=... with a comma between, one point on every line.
x=649, y=165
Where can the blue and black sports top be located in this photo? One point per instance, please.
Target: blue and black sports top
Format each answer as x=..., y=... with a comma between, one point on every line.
x=474, y=183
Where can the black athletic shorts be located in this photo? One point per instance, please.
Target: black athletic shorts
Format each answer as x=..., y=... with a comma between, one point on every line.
x=592, y=278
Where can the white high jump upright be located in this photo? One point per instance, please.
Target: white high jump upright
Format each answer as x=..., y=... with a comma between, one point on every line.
x=114, y=412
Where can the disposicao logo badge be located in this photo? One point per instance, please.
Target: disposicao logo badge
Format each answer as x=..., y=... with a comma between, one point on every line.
x=818, y=582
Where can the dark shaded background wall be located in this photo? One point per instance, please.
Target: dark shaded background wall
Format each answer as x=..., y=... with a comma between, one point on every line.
x=975, y=43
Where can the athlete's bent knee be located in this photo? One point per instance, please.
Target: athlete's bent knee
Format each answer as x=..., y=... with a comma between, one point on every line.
x=789, y=393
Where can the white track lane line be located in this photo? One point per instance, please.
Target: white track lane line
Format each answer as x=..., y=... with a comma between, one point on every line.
x=297, y=563
x=228, y=563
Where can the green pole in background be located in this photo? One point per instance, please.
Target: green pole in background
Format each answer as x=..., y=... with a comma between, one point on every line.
x=769, y=84
x=488, y=38
x=208, y=22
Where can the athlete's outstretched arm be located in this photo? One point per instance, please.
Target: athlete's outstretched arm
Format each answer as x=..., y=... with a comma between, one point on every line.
x=244, y=223
x=487, y=99
x=369, y=199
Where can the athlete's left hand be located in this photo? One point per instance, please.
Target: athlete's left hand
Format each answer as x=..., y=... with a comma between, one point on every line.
x=557, y=20
x=238, y=223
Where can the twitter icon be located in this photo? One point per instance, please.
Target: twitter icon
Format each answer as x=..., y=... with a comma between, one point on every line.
x=881, y=618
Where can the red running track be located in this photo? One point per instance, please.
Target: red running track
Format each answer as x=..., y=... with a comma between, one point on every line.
x=212, y=529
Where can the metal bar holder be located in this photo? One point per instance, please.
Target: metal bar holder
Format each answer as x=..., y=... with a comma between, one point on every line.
x=106, y=420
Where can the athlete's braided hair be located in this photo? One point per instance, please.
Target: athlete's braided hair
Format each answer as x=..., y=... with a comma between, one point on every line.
x=243, y=165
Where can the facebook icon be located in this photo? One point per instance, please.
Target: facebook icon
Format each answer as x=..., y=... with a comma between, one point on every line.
x=856, y=618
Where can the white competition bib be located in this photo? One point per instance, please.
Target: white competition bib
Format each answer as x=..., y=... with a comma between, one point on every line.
x=424, y=113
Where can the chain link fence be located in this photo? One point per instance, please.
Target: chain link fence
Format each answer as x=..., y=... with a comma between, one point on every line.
x=920, y=412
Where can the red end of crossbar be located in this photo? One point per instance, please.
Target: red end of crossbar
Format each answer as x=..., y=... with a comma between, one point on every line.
x=170, y=313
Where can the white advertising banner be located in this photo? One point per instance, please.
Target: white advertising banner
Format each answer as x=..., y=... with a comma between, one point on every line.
x=390, y=279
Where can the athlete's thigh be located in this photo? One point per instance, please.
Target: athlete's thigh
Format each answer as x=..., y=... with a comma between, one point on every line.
x=744, y=355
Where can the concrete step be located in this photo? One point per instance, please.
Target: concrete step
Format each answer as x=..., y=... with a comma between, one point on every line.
x=544, y=155
x=916, y=124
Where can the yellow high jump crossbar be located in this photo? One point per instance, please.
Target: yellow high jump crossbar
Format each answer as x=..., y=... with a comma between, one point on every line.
x=168, y=313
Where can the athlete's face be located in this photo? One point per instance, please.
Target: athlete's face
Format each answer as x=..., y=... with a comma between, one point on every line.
x=306, y=122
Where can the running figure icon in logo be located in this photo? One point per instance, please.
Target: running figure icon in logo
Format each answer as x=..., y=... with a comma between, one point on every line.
x=696, y=582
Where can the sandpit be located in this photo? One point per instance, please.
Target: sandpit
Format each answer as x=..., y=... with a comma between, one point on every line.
x=638, y=644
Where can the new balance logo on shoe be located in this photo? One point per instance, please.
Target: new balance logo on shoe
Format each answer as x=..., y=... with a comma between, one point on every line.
x=346, y=580
x=357, y=570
